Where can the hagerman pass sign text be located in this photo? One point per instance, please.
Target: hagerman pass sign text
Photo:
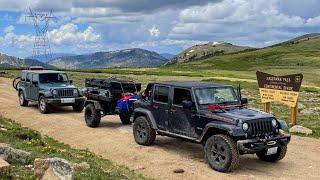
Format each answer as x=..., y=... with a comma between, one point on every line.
x=283, y=89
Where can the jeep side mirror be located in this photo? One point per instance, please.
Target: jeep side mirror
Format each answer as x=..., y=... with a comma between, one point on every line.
x=244, y=101
x=187, y=105
x=70, y=81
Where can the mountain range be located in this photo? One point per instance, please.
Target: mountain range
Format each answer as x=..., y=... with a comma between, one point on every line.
x=202, y=54
x=11, y=61
x=50, y=57
x=135, y=57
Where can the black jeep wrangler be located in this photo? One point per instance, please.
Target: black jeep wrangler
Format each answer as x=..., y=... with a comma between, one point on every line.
x=212, y=114
x=48, y=88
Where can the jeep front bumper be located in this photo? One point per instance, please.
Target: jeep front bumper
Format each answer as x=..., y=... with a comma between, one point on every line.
x=256, y=145
x=60, y=101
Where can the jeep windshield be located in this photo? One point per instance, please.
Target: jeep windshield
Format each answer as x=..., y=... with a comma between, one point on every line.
x=53, y=78
x=216, y=95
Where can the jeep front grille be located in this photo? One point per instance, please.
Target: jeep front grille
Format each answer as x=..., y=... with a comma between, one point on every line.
x=65, y=92
x=260, y=127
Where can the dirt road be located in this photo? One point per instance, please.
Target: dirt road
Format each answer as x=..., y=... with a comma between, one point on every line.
x=115, y=142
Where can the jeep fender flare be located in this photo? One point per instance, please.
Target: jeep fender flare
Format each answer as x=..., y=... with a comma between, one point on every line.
x=96, y=104
x=44, y=93
x=148, y=115
x=227, y=129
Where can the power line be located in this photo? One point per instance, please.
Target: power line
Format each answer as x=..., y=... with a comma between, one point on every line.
x=41, y=21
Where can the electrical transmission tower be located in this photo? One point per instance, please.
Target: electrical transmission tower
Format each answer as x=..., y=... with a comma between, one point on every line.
x=41, y=46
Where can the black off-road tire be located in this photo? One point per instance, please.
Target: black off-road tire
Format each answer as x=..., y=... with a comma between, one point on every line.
x=143, y=132
x=125, y=118
x=22, y=99
x=92, y=116
x=221, y=153
x=78, y=107
x=281, y=153
x=44, y=108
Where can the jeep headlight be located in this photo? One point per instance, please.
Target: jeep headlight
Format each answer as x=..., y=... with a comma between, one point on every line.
x=245, y=126
x=75, y=92
x=54, y=92
x=274, y=123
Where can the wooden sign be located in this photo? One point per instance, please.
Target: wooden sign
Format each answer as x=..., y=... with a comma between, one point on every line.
x=283, y=89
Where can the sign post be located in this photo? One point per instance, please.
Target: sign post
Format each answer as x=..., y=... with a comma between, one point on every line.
x=283, y=89
x=294, y=115
x=266, y=107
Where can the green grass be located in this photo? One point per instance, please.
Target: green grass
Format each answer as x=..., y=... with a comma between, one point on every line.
x=46, y=147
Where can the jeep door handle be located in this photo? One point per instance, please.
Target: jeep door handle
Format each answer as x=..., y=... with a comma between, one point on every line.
x=155, y=106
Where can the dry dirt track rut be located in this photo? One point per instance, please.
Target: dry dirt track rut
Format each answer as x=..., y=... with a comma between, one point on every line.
x=115, y=142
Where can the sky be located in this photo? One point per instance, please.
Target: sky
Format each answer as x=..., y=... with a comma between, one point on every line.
x=164, y=26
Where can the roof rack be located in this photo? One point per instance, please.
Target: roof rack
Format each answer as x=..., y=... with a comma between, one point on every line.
x=34, y=68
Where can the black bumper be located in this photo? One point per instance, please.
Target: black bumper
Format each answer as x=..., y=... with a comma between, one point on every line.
x=256, y=145
x=58, y=101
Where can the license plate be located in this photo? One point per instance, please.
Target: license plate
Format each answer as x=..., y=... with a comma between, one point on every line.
x=67, y=100
x=273, y=150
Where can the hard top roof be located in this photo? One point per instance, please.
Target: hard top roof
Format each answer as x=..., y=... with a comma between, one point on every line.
x=42, y=71
x=189, y=84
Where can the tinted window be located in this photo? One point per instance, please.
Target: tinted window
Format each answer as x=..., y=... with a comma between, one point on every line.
x=53, y=78
x=161, y=94
x=35, y=77
x=29, y=77
x=180, y=95
x=215, y=95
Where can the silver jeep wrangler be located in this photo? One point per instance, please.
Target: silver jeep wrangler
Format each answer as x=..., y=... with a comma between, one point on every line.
x=47, y=88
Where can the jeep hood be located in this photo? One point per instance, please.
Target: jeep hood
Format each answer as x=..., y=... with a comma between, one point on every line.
x=244, y=114
x=56, y=86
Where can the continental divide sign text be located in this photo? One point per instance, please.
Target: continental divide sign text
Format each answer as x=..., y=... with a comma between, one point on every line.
x=284, y=89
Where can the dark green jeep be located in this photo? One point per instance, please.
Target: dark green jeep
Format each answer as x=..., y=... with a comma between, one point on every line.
x=48, y=88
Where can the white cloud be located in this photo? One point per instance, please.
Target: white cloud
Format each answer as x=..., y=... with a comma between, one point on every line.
x=170, y=25
x=8, y=29
x=313, y=21
x=248, y=22
x=69, y=33
x=154, y=31
x=67, y=38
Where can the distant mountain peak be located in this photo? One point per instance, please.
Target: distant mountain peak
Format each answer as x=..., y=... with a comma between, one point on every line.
x=212, y=48
x=134, y=57
x=11, y=61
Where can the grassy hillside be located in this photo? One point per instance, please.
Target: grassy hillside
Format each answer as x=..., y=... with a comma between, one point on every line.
x=209, y=49
x=290, y=56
